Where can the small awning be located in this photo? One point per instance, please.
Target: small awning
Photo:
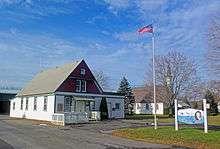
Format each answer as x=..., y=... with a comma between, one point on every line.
x=84, y=99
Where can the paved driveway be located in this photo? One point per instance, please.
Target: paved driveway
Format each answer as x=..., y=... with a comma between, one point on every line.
x=108, y=126
x=24, y=134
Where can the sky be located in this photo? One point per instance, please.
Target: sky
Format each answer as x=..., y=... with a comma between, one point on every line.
x=38, y=34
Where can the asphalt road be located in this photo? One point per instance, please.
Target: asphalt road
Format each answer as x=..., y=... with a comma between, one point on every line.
x=21, y=134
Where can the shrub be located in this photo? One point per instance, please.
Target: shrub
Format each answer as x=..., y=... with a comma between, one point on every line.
x=103, y=109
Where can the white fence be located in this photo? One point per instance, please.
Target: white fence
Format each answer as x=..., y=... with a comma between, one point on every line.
x=70, y=118
x=76, y=117
x=95, y=115
x=58, y=119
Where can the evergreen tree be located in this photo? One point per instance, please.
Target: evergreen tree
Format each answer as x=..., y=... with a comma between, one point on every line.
x=125, y=90
x=211, y=100
x=103, y=109
x=195, y=105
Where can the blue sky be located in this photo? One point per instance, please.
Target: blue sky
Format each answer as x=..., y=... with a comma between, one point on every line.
x=37, y=34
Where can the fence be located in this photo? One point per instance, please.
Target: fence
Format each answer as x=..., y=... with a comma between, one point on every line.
x=70, y=118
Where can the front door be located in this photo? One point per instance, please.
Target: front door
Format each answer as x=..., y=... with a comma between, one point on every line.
x=87, y=106
x=80, y=106
x=67, y=103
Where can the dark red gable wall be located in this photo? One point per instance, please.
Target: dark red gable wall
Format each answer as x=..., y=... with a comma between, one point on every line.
x=69, y=85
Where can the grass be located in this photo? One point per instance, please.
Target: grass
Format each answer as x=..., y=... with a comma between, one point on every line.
x=212, y=120
x=150, y=118
x=188, y=137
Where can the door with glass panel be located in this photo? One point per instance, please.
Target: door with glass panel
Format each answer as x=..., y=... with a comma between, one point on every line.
x=69, y=104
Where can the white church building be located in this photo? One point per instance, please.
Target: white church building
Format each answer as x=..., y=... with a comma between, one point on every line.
x=144, y=103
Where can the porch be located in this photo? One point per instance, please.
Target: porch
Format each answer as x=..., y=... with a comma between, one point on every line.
x=75, y=110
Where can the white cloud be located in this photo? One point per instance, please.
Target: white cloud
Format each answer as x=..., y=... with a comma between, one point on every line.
x=146, y=5
x=179, y=25
x=20, y=10
x=13, y=2
x=118, y=4
x=127, y=36
x=21, y=53
x=115, y=6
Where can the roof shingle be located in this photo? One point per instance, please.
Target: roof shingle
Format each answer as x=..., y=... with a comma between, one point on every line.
x=49, y=80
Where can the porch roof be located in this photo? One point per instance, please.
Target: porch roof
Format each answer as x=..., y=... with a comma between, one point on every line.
x=84, y=99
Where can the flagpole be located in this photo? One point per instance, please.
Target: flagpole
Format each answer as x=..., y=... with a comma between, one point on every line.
x=154, y=83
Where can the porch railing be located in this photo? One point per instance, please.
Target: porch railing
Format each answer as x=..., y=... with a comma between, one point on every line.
x=70, y=118
x=58, y=119
x=95, y=115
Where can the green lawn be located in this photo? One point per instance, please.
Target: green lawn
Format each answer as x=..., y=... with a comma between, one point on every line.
x=188, y=137
x=212, y=120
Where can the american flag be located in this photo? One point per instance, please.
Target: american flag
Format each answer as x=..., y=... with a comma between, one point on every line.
x=148, y=28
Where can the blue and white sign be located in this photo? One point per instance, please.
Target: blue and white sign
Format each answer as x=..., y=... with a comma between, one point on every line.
x=190, y=116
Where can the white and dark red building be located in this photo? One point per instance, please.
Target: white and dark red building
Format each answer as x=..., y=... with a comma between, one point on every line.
x=65, y=94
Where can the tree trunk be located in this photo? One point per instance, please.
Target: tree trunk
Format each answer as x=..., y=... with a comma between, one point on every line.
x=171, y=110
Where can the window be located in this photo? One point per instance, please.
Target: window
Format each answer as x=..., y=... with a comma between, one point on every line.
x=13, y=105
x=26, y=106
x=82, y=71
x=78, y=85
x=45, y=103
x=147, y=106
x=83, y=86
x=92, y=105
x=59, y=107
x=157, y=106
x=35, y=103
x=87, y=106
x=138, y=106
x=117, y=106
x=22, y=103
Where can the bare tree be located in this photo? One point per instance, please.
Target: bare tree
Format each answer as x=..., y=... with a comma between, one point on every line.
x=177, y=73
x=214, y=87
x=196, y=92
x=213, y=53
x=102, y=79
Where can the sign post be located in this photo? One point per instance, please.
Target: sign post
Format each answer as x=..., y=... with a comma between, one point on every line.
x=205, y=116
x=191, y=116
x=176, y=114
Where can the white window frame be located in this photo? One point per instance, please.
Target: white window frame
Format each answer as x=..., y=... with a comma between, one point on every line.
x=67, y=103
x=22, y=104
x=83, y=89
x=13, y=106
x=82, y=71
x=26, y=103
x=62, y=106
x=78, y=89
x=45, y=103
x=92, y=105
x=117, y=108
x=35, y=103
x=147, y=106
x=157, y=106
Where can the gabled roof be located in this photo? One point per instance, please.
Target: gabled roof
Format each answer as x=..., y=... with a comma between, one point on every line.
x=49, y=80
x=145, y=94
x=140, y=95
